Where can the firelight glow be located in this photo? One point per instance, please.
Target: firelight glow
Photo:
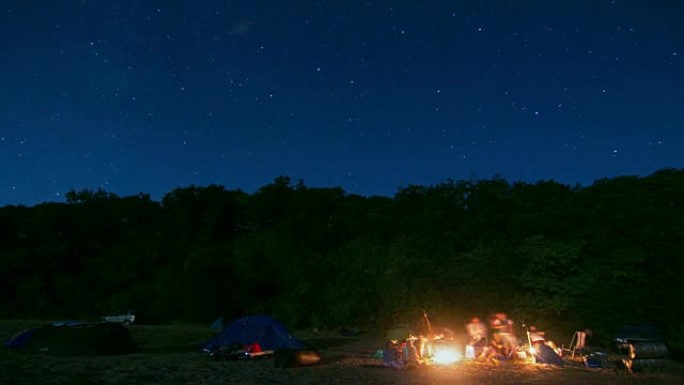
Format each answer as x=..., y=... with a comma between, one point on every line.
x=446, y=356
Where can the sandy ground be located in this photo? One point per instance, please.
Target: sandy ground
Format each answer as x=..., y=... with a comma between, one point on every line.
x=345, y=360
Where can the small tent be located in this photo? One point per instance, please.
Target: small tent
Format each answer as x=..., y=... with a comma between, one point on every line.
x=217, y=324
x=73, y=339
x=268, y=332
x=20, y=339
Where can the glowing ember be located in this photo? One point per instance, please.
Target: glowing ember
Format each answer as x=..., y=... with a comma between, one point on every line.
x=446, y=356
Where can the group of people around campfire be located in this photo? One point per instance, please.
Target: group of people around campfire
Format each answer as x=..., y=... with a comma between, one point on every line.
x=503, y=342
x=402, y=354
x=494, y=340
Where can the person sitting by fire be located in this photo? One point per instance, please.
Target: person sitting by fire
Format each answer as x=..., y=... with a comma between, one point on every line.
x=583, y=337
x=477, y=332
x=536, y=335
x=492, y=352
x=410, y=353
x=392, y=355
x=503, y=333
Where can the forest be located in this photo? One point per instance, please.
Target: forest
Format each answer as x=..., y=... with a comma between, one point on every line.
x=573, y=256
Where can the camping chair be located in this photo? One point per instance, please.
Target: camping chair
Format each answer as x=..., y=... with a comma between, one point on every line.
x=577, y=343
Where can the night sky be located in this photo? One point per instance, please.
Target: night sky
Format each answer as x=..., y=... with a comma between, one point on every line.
x=146, y=96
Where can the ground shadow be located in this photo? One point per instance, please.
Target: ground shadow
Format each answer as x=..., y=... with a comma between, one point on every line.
x=325, y=343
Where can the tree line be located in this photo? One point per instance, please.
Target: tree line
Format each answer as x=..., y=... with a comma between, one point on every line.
x=572, y=256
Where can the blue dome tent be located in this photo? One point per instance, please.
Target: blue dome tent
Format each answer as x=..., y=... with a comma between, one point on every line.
x=268, y=332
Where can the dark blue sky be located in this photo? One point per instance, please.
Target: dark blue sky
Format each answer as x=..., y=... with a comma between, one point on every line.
x=146, y=96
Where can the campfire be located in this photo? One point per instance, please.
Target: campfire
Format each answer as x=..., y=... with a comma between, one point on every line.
x=446, y=355
x=445, y=352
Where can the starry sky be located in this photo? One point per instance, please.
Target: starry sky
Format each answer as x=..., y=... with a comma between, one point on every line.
x=144, y=96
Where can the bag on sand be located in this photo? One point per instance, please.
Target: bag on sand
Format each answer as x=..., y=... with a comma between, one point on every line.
x=546, y=355
x=291, y=358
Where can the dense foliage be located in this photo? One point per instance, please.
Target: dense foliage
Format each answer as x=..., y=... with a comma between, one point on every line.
x=579, y=256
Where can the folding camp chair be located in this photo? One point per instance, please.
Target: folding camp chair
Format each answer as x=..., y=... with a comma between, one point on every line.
x=577, y=343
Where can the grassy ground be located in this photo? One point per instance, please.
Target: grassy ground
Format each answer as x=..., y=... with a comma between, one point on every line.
x=169, y=355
